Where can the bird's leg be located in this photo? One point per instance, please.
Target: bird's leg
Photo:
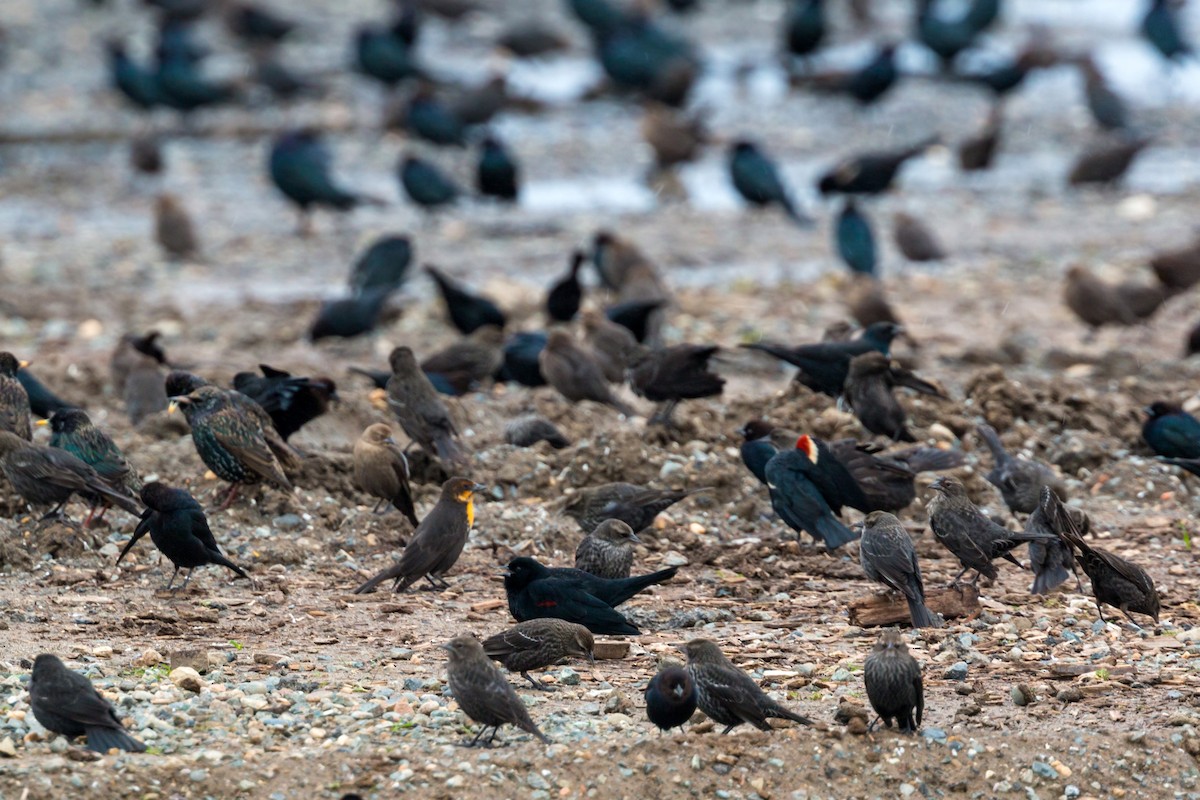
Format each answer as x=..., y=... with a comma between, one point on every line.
x=171, y=582
x=380, y=507
x=492, y=738
x=432, y=582
x=87, y=523
x=874, y=722
x=304, y=226
x=188, y=579
x=728, y=728
x=1100, y=608
x=1125, y=611
x=958, y=578
x=230, y=496
x=541, y=687
x=475, y=741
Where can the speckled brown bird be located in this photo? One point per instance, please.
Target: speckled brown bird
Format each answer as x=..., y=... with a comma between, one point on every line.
x=616, y=259
x=670, y=375
x=1098, y=302
x=173, y=228
x=437, y=542
x=727, y=695
x=675, y=137
x=14, y=400
x=471, y=360
x=72, y=430
x=1019, y=479
x=868, y=391
x=1105, y=163
x=381, y=470
x=145, y=154
x=575, y=373
x=887, y=557
x=482, y=692
x=48, y=476
x=892, y=678
x=607, y=552
x=636, y=506
x=421, y=413
x=867, y=301
x=915, y=239
x=612, y=345
x=538, y=643
x=528, y=430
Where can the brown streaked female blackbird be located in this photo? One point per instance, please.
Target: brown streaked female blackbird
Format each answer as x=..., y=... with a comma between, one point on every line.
x=471, y=360
x=615, y=259
x=14, y=400
x=974, y=539
x=868, y=391
x=607, y=552
x=675, y=137
x=437, y=542
x=179, y=529
x=798, y=501
x=825, y=365
x=914, y=239
x=47, y=476
x=72, y=430
x=727, y=695
x=1115, y=581
x=381, y=470
x=887, y=556
x=231, y=440
x=565, y=296
x=672, y=374
x=1171, y=432
x=1020, y=480
x=1097, y=302
x=575, y=373
x=892, y=678
x=976, y=153
x=65, y=702
x=1106, y=163
x=42, y=401
x=421, y=413
x=1052, y=561
x=528, y=430
x=292, y=402
x=173, y=228
x=613, y=592
x=467, y=311
x=613, y=345
x=539, y=643
x=636, y=506
x=670, y=698
x=535, y=592
x=869, y=173
x=482, y=692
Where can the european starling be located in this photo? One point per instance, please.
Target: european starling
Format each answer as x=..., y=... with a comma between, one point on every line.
x=612, y=345
x=348, y=317
x=437, y=542
x=804, y=26
x=974, y=539
x=530, y=429
x=48, y=476
x=497, y=174
x=607, y=552
x=381, y=470
x=1106, y=163
x=636, y=506
x=292, y=402
x=892, y=678
x=179, y=529
x=977, y=152
x=470, y=361
x=421, y=413
x=425, y=184
x=383, y=265
x=670, y=698
x=536, y=592
x=869, y=173
x=72, y=430
x=173, y=228
x=178, y=383
x=300, y=167
x=1161, y=28
x=565, y=296
x=854, y=240
x=1097, y=302
x=65, y=702
x=1052, y=561
x=482, y=692
x=467, y=311
x=727, y=695
x=676, y=138
x=575, y=373
x=756, y=178
x=1020, y=480
x=798, y=500
x=672, y=374
x=14, y=400
x=887, y=556
x=825, y=365
x=539, y=643
x=1115, y=581
x=914, y=239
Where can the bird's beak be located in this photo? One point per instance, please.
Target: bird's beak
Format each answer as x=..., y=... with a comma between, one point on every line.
x=477, y=487
x=42, y=423
x=591, y=657
x=22, y=364
x=633, y=537
x=389, y=440
x=1147, y=410
x=445, y=647
x=173, y=407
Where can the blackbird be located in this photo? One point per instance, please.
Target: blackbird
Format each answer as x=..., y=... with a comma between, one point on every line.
x=467, y=311
x=382, y=55
x=179, y=529
x=636, y=316
x=798, y=501
x=65, y=702
x=425, y=184
x=432, y=120
x=256, y=25
x=132, y=80
x=865, y=84
x=482, y=692
x=575, y=373
x=534, y=592
x=530, y=39
x=1106, y=163
x=613, y=345
x=183, y=87
x=173, y=228
x=636, y=506
x=670, y=698
x=1020, y=480
x=1170, y=431
x=804, y=26
x=300, y=167
x=672, y=374
x=613, y=592
x=383, y=265
x=1106, y=106
x=825, y=365
x=1161, y=28
x=381, y=470
x=757, y=448
x=539, y=643
x=607, y=552
x=437, y=542
x=528, y=430
x=1052, y=561
x=1115, y=581
x=854, y=240
x=42, y=401
x=869, y=173
x=823, y=469
x=14, y=400
x=915, y=240
x=727, y=695
x=675, y=137
x=1192, y=345
x=497, y=174
x=974, y=539
x=178, y=383
x=756, y=178
x=949, y=37
x=470, y=361
x=887, y=556
x=291, y=402
x=348, y=317
x=72, y=430
x=1097, y=302
x=977, y=152
x=868, y=390
x=421, y=413
x=566, y=295
x=892, y=678
x=48, y=476
x=887, y=480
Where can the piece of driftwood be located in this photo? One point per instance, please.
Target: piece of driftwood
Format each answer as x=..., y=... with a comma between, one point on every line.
x=609, y=650
x=891, y=609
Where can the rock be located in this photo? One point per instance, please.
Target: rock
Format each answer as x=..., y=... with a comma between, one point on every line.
x=7, y=748
x=187, y=679
x=269, y=659
x=150, y=658
x=610, y=650
x=1022, y=695
x=956, y=672
x=288, y=522
x=616, y=702
x=102, y=651
x=568, y=677
x=1044, y=770
x=196, y=660
x=1192, y=635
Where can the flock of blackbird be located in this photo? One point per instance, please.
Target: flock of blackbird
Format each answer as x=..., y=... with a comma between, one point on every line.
x=590, y=353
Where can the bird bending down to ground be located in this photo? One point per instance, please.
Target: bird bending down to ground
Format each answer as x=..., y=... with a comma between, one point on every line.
x=65, y=702
x=727, y=695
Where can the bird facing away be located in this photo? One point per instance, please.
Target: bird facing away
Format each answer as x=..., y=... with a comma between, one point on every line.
x=892, y=678
x=173, y=229
x=915, y=240
x=607, y=552
x=536, y=592
x=528, y=430
x=291, y=401
x=538, y=643
x=636, y=506
x=467, y=310
x=575, y=373
x=482, y=692
x=48, y=476
x=854, y=239
x=437, y=542
x=825, y=365
x=1053, y=561
x=613, y=345
x=756, y=178
x=670, y=698
x=672, y=374
x=72, y=430
x=421, y=413
x=887, y=556
x=383, y=265
x=1170, y=431
x=1020, y=480
x=65, y=702
x=798, y=500
x=727, y=695
x=381, y=470
x=14, y=400
x=566, y=295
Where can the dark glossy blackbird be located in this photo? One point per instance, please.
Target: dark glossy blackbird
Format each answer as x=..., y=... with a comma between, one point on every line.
x=673, y=374
x=437, y=542
x=798, y=501
x=48, y=476
x=607, y=552
x=65, y=702
x=854, y=239
x=281, y=81
x=915, y=240
x=636, y=506
x=1052, y=561
x=635, y=315
x=301, y=167
x=566, y=295
x=868, y=390
x=255, y=24
x=179, y=529
x=575, y=373
x=869, y=173
x=291, y=401
x=1115, y=581
x=729, y=696
x=612, y=592
x=381, y=470
x=482, y=692
x=804, y=26
x=888, y=480
x=348, y=317
x=828, y=475
x=382, y=55
x=522, y=354
x=1106, y=163
x=72, y=430
x=893, y=682
x=949, y=37
x=1020, y=480
x=421, y=413
x=528, y=430
x=14, y=400
x=42, y=401
x=1170, y=431
x=825, y=365
x=866, y=84
x=642, y=56
x=1192, y=345
x=182, y=85
x=887, y=557
x=1161, y=28
x=530, y=39
x=406, y=25
x=177, y=39
x=756, y=179
x=670, y=698
x=467, y=311
x=430, y=119
x=1098, y=302
x=757, y=448
x=977, y=152
x=496, y=174
x=534, y=592
x=1004, y=78
x=425, y=184
x=600, y=16
x=383, y=265
x=539, y=643
x=136, y=83
x=1106, y=106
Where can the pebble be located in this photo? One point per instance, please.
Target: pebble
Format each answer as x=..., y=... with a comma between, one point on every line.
x=102, y=651
x=568, y=677
x=1044, y=770
x=7, y=748
x=186, y=678
x=288, y=522
x=906, y=789
x=198, y=775
x=149, y=658
x=957, y=671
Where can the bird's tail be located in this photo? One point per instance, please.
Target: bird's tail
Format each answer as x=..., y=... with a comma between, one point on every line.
x=835, y=533
x=448, y=449
x=782, y=352
x=639, y=582
x=219, y=558
x=103, y=739
x=779, y=712
x=403, y=503
x=379, y=578
x=124, y=501
x=797, y=216
x=921, y=616
x=1050, y=579
x=992, y=440
x=930, y=459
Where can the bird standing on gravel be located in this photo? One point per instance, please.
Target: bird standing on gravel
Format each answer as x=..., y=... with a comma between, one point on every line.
x=539, y=643
x=727, y=695
x=65, y=702
x=670, y=698
x=72, y=430
x=381, y=470
x=893, y=681
x=1020, y=480
x=421, y=413
x=482, y=692
x=14, y=400
x=636, y=506
x=48, y=476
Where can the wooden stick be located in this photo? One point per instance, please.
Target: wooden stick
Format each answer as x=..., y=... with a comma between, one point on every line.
x=891, y=609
